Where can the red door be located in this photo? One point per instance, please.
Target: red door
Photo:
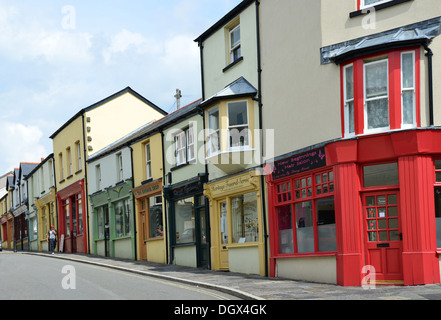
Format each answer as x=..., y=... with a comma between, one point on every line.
x=383, y=236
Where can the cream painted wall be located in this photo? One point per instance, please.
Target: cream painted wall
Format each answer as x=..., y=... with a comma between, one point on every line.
x=117, y=118
x=216, y=55
x=337, y=26
x=301, y=98
x=315, y=269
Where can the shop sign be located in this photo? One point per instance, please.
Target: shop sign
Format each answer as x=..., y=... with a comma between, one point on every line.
x=230, y=185
x=299, y=163
x=151, y=188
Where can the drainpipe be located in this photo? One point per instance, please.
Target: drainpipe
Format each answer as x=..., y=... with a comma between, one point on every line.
x=86, y=184
x=429, y=55
x=164, y=199
x=259, y=99
x=133, y=205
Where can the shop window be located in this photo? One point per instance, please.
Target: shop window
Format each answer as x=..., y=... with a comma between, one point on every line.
x=155, y=217
x=380, y=93
x=185, y=221
x=438, y=171
x=122, y=218
x=380, y=175
x=438, y=215
x=244, y=218
x=306, y=215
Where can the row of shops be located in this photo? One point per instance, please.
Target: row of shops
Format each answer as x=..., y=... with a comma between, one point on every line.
x=248, y=179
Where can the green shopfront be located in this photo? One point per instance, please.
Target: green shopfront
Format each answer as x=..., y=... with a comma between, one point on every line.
x=112, y=222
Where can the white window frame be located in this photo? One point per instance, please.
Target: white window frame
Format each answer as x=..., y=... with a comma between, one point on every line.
x=234, y=47
x=247, y=146
x=213, y=133
x=412, y=89
x=119, y=165
x=181, y=148
x=365, y=99
x=98, y=177
x=364, y=6
x=69, y=159
x=148, y=161
x=190, y=144
x=79, y=155
x=347, y=101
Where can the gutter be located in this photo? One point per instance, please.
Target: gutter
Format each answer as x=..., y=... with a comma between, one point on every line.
x=133, y=204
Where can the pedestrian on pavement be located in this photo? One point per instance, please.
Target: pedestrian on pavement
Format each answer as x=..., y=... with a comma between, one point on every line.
x=52, y=239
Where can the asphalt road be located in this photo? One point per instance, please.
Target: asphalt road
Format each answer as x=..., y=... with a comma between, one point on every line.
x=27, y=277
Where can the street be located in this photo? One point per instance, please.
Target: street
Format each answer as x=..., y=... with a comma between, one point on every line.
x=27, y=277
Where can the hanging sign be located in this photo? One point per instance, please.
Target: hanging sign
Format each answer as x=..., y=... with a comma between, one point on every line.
x=299, y=163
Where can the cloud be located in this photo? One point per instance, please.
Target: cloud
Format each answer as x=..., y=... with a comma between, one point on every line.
x=24, y=37
x=21, y=143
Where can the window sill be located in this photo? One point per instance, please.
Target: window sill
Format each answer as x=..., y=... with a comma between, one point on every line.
x=183, y=165
x=376, y=8
x=232, y=64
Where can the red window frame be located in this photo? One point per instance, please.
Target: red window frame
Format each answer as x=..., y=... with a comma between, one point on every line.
x=295, y=190
x=394, y=81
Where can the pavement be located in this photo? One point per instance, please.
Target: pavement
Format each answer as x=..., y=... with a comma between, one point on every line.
x=255, y=287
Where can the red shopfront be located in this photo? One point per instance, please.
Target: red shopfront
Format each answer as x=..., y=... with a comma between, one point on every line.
x=355, y=204
x=72, y=218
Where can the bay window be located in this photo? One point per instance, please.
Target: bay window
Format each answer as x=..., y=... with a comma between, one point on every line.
x=380, y=93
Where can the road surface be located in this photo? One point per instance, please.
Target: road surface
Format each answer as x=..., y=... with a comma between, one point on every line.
x=24, y=277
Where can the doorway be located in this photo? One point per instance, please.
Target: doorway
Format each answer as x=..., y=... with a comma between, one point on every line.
x=383, y=237
x=142, y=216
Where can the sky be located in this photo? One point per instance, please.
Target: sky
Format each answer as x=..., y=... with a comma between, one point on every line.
x=58, y=57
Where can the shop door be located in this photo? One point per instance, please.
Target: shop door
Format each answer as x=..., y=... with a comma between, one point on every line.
x=383, y=236
x=223, y=252
x=142, y=218
x=203, y=243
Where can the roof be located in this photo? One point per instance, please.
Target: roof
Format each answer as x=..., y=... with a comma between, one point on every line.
x=100, y=103
x=51, y=156
x=147, y=130
x=27, y=167
x=238, y=88
x=224, y=20
x=413, y=34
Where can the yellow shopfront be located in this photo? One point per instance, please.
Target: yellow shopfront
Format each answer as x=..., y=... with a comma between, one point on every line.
x=237, y=224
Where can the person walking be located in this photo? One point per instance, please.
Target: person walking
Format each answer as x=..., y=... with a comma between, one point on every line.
x=52, y=239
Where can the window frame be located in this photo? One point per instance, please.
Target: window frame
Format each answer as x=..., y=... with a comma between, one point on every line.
x=148, y=160
x=182, y=146
x=366, y=99
x=413, y=89
x=395, y=102
x=346, y=100
x=233, y=48
x=362, y=4
x=287, y=198
x=247, y=125
x=213, y=133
